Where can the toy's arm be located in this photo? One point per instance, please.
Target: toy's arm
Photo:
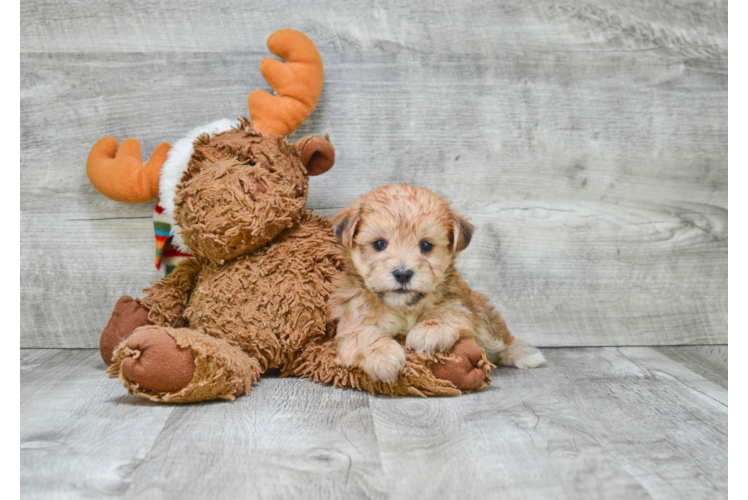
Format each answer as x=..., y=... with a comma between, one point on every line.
x=167, y=299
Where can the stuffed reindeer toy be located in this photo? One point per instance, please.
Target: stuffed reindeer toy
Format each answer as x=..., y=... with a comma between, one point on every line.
x=250, y=291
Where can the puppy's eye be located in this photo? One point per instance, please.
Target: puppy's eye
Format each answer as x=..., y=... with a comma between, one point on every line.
x=426, y=246
x=379, y=245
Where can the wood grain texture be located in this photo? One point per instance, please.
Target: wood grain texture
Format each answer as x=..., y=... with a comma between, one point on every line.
x=709, y=361
x=594, y=423
x=697, y=28
x=588, y=143
x=289, y=440
x=80, y=437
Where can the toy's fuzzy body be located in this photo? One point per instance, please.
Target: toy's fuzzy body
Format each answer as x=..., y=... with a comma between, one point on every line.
x=269, y=302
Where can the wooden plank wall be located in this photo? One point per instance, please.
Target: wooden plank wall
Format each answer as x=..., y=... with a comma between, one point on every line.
x=586, y=141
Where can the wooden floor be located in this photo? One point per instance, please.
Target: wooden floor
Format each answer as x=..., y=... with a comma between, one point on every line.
x=608, y=422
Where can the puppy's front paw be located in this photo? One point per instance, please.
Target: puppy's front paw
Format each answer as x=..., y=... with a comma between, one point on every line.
x=431, y=337
x=385, y=361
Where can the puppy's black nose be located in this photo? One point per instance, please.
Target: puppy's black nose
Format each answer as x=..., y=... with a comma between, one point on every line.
x=402, y=275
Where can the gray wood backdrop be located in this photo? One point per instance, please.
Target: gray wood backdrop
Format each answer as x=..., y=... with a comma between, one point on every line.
x=586, y=141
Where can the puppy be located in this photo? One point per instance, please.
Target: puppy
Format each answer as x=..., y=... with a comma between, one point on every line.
x=400, y=244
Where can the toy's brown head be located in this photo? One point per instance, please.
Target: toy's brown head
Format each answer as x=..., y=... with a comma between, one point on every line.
x=231, y=186
x=242, y=189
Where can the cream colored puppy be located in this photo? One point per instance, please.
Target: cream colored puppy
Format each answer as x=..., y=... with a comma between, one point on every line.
x=400, y=244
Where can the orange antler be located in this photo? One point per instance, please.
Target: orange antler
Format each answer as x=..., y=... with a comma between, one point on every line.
x=297, y=84
x=119, y=174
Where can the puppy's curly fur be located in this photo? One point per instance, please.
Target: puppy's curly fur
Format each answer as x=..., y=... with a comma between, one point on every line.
x=400, y=245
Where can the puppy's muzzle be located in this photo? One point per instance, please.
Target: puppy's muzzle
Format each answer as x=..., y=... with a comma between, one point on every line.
x=402, y=275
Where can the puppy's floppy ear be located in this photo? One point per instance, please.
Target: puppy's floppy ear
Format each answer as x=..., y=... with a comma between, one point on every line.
x=345, y=224
x=462, y=232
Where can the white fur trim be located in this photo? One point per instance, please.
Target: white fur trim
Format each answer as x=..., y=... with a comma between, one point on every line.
x=175, y=166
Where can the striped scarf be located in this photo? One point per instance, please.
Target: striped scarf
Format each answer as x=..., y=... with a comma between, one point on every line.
x=166, y=253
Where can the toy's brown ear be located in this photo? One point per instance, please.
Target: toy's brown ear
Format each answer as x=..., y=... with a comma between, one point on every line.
x=316, y=153
x=345, y=224
x=462, y=232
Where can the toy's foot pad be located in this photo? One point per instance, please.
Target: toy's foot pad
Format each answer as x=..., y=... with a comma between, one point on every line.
x=179, y=365
x=127, y=316
x=158, y=363
x=467, y=370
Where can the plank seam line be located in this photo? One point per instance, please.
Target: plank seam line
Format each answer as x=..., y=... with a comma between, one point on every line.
x=369, y=399
x=673, y=377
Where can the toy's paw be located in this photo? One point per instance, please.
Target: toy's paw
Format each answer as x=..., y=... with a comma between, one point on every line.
x=467, y=371
x=158, y=363
x=127, y=316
